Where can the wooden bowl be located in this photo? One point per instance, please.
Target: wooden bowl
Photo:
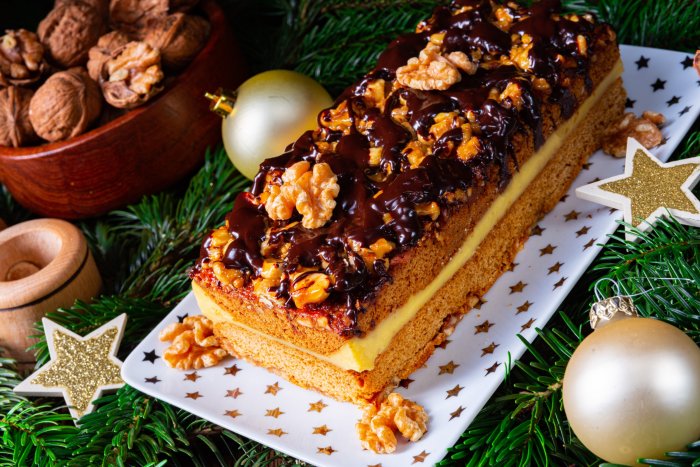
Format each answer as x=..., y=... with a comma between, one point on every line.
x=141, y=152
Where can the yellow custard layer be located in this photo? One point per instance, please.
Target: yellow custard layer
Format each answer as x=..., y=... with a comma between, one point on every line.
x=360, y=353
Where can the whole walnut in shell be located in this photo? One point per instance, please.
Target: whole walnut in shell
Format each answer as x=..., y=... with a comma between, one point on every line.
x=179, y=37
x=68, y=32
x=132, y=75
x=15, y=127
x=65, y=105
x=21, y=58
x=102, y=52
x=102, y=6
x=133, y=15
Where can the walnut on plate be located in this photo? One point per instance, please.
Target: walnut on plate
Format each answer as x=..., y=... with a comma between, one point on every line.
x=68, y=32
x=193, y=344
x=644, y=129
x=179, y=37
x=15, y=128
x=132, y=75
x=102, y=51
x=21, y=58
x=65, y=105
x=377, y=426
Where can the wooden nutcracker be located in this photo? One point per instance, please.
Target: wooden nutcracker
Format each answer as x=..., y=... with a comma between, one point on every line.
x=44, y=264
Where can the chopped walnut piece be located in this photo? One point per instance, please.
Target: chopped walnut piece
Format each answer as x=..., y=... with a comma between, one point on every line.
x=376, y=428
x=520, y=55
x=312, y=192
x=431, y=210
x=194, y=344
x=132, y=76
x=644, y=129
x=433, y=71
x=21, y=58
x=310, y=288
x=337, y=118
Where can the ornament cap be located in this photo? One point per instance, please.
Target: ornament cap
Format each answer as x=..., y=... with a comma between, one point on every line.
x=611, y=309
x=222, y=101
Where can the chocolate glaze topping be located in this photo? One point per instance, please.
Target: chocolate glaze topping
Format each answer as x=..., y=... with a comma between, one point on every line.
x=380, y=201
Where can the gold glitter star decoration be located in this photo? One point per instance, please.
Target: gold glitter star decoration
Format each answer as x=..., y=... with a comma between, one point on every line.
x=649, y=189
x=81, y=369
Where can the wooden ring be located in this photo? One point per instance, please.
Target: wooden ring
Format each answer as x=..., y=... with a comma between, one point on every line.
x=44, y=264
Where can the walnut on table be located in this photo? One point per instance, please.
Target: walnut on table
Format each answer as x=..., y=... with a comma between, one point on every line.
x=194, y=344
x=377, y=426
x=15, y=128
x=21, y=58
x=132, y=75
x=178, y=37
x=68, y=32
x=644, y=129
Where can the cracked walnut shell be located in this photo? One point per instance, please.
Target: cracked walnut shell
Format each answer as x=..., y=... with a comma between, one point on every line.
x=15, y=128
x=193, y=344
x=132, y=75
x=21, y=58
x=65, y=105
x=178, y=37
x=102, y=51
x=68, y=32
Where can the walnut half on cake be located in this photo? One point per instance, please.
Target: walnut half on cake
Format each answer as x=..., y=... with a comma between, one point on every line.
x=339, y=269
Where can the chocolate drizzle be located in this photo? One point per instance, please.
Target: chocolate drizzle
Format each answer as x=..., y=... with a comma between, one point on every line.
x=380, y=201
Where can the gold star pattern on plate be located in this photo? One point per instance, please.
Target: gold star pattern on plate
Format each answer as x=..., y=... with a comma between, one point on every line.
x=232, y=413
x=454, y=392
x=193, y=395
x=517, y=288
x=405, y=383
x=479, y=304
x=192, y=377
x=420, y=457
x=274, y=413
x=279, y=432
x=548, y=250
x=527, y=325
x=537, y=230
x=273, y=388
x=554, y=268
x=443, y=345
x=234, y=393
x=582, y=231
x=572, y=216
x=81, y=369
x=483, y=327
x=559, y=283
x=232, y=370
x=590, y=243
x=492, y=368
x=448, y=368
x=512, y=266
x=321, y=430
x=524, y=307
x=648, y=189
x=328, y=450
x=489, y=349
x=375, y=465
x=317, y=406
x=457, y=413
x=587, y=165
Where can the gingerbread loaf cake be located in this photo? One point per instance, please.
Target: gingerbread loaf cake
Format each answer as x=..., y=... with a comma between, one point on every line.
x=354, y=251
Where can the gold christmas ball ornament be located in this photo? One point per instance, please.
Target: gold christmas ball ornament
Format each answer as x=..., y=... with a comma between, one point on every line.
x=265, y=114
x=632, y=388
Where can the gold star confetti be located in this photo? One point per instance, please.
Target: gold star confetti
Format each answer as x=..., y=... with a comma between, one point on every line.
x=81, y=369
x=276, y=432
x=582, y=231
x=548, y=250
x=448, y=368
x=274, y=413
x=483, y=327
x=524, y=307
x=492, y=368
x=590, y=243
x=560, y=283
x=572, y=216
x=192, y=376
x=527, y=325
x=317, y=406
x=454, y=392
x=193, y=395
x=489, y=349
x=328, y=450
x=234, y=393
x=554, y=268
x=648, y=189
x=273, y=388
x=321, y=430
x=517, y=288
x=457, y=413
x=232, y=413
x=232, y=370
x=537, y=230
x=405, y=383
x=420, y=457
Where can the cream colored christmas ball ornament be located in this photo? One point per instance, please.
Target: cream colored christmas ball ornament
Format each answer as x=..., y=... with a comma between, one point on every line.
x=632, y=388
x=265, y=114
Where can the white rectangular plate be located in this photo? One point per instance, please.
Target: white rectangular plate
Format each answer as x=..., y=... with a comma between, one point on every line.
x=458, y=379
